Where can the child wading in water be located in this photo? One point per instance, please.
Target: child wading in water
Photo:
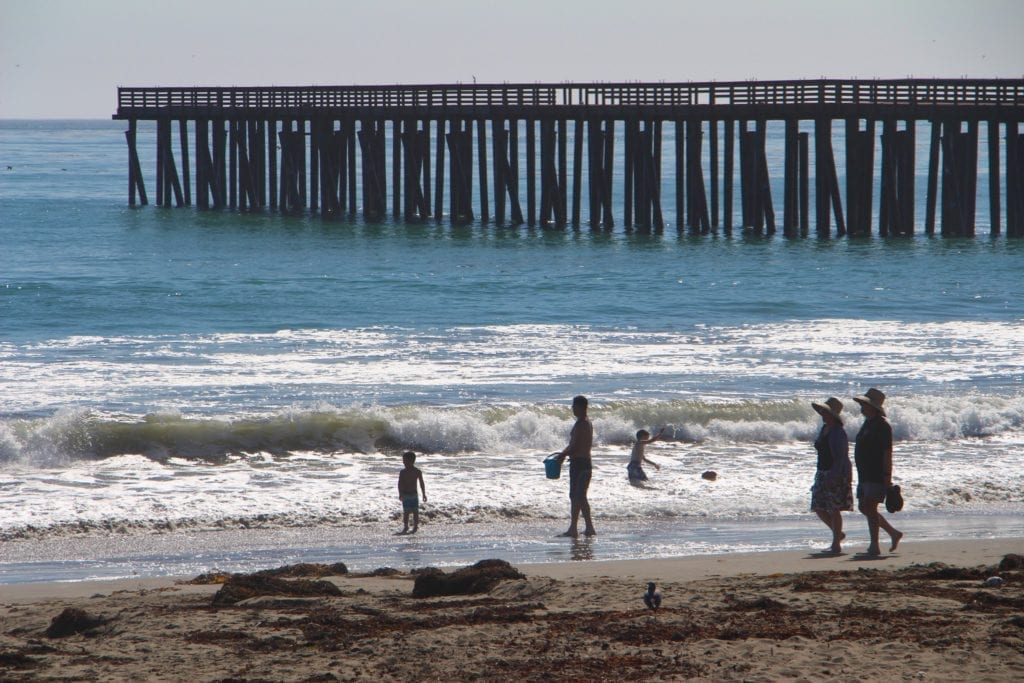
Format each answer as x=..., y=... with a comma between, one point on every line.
x=407, y=480
x=635, y=469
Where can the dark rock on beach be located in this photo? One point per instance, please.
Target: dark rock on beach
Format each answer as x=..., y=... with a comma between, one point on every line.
x=71, y=621
x=480, y=578
x=244, y=586
x=306, y=570
x=1011, y=561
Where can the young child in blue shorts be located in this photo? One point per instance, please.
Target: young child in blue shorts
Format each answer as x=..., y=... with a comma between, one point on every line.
x=635, y=469
x=407, y=480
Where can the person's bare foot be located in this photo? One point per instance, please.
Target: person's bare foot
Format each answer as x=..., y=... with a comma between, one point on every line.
x=571, y=533
x=873, y=551
x=836, y=549
x=895, y=540
x=590, y=532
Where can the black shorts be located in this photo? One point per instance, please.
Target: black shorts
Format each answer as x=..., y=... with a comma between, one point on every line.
x=579, y=478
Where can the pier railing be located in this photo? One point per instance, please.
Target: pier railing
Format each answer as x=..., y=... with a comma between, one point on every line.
x=135, y=102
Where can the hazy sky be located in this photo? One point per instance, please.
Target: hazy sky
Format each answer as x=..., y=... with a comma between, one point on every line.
x=65, y=58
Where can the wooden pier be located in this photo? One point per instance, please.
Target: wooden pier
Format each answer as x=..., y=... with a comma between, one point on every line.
x=420, y=152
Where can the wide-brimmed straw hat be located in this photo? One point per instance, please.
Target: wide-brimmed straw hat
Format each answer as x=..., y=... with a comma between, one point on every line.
x=872, y=397
x=832, y=405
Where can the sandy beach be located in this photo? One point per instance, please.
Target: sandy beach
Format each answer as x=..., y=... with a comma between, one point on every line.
x=923, y=613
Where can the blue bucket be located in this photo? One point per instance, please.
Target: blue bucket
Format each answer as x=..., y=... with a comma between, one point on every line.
x=552, y=466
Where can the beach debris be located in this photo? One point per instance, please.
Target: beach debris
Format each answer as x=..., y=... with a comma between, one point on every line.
x=943, y=571
x=292, y=571
x=71, y=621
x=306, y=570
x=16, y=660
x=241, y=587
x=1011, y=561
x=479, y=578
x=710, y=475
x=652, y=598
x=994, y=582
x=762, y=603
x=210, y=578
x=384, y=571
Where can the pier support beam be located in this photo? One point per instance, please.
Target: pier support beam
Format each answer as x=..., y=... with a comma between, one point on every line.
x=1014, y=181
x=758, y=211
x=416, y=145
x=373, y=149
x=826, y=183
x=166, y=170
x=293, y=155
x=896, y=204
x=460, y=191
x=600, y=141
x=860, y=166
x=959, y=178
x=136, y=184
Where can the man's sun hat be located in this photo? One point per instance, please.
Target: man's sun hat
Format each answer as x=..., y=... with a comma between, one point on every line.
x=872, y=397
x=831, y=405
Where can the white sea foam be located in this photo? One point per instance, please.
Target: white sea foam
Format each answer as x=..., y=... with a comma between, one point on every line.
x=952, y=453
x=237, y=374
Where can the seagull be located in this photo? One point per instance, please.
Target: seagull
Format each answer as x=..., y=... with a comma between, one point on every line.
x=652, y=598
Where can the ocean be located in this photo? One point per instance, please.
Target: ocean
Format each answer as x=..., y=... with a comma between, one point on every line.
x=185, y=390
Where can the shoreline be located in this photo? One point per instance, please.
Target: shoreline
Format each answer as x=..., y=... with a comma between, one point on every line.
x=959, y=553
x=532, y=542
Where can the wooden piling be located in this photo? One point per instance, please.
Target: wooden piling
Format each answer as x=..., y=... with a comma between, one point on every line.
x=439, y=172
x=631, y=129
x=728, y=172
x=1014, y=181
x=608, y=220
x=860, y=160
x=825, y=181
x=136, y=184
x=681, y=161
x=531, y=172
x=562, y=196
x=934, y=149
x=577, y=171
x=791, y=180
x=993, y=177
x=272, y=143
x=805, y=184
x=697, y=203
x=713, y=160
x=481, y=130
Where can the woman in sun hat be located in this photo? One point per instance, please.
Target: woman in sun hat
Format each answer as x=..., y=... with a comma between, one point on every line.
x=832, y=492
x=873, y=455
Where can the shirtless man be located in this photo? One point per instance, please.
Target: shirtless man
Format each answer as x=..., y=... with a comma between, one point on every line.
x=581, y=439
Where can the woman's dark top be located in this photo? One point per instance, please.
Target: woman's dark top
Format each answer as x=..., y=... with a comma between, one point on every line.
x=874, y=440
x=824, y=450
